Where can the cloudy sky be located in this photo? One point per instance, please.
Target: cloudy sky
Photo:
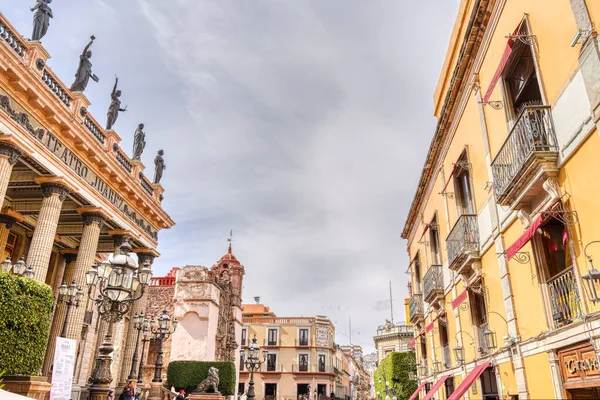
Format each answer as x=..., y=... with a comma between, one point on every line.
x=302, y=125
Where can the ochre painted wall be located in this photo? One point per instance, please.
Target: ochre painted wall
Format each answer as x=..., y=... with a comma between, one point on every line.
x=538, y=376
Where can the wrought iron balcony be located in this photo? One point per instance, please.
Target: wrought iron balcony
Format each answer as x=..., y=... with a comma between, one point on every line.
x=415, y=308
x=564, y=298
x=433, y=284
x=530, y=147
x=463, y=242
x=447, y=359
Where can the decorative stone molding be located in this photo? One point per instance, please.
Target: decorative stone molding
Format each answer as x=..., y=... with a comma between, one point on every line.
x=552, y=187
x=524, y=217
x=50, y=188
x=11, y=152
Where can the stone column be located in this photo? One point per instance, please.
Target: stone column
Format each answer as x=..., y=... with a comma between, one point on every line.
x=93, y=219
x=9, y=155
x=145, y=256
x=59, y=316
x=40, y=249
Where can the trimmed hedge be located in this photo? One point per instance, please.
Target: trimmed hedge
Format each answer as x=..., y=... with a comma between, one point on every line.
x=25, y=312
x=187, y=375
x=396, y=368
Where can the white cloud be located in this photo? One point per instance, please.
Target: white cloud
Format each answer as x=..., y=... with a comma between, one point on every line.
x=301, y=125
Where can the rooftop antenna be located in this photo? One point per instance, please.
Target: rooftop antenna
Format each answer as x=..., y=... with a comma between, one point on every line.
x=391, y=303
x=230, y=239
x=350, y=328
x=257, y=299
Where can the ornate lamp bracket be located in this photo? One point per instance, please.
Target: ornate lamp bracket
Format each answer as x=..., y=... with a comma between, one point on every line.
x=527, y=40
x=522, y=257
x=496, y=105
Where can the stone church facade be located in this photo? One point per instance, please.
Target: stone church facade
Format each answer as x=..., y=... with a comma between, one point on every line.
x=206, y=302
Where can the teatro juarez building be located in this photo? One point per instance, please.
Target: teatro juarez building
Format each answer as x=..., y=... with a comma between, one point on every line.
x=70, y=194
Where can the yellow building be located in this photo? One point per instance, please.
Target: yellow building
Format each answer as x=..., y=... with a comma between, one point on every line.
x=302, y=359
x=506, y=206
x=392, y=337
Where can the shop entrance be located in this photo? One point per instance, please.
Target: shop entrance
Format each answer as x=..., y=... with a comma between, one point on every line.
x=584, y=394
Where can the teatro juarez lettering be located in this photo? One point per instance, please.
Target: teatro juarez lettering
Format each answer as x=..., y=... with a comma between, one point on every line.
x=74, y=163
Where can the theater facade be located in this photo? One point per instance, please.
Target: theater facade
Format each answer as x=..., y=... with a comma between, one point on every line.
x=69, y=194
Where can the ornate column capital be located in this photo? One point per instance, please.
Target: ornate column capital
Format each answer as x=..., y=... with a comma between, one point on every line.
x=11, y=152
x=50, y=188
x=93, y=214
x=7, y=220
x=146, y=254
x=70, y=256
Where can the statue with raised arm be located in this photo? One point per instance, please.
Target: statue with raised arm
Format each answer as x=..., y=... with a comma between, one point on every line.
x=159, y=166
x=115, y=106
x=84, y=70
x=41, y=18
x=139, y=142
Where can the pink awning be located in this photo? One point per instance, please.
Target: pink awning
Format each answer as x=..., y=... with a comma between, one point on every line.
x=501, y=66
x=525, y=237
x=416, y=393
x=429, y=327
x=459, y=299
x=413, y=343
x=468, y=381
x=436, y=387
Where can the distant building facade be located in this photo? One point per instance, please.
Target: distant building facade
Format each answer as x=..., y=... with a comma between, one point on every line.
x=303, y=360
x=392, y=338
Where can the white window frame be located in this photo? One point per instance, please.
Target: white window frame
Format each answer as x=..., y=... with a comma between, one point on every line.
x=307, y=353
x=277, y=338
x=300, y=328
x=276, y=360
x=244, y=330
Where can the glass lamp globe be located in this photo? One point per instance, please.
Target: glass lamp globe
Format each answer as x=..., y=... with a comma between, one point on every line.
x=6, y=265
x=63, y=289
x=19, y=267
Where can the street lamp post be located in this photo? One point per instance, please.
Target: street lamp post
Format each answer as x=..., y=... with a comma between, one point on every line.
x=70, y=295
x=161, y=332
x=116, y=284
x=139, y=322
x=145, y=340
x=253, y=363
x=19, y=268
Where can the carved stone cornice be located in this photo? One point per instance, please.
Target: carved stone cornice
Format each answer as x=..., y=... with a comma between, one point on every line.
x=50, y=188
x=11, y=152
x=7, y=220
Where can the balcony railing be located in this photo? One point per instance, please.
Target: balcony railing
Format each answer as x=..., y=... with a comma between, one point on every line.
x=447, y=359
x=319, y=368
x=303, y=341
x=122, y=159
x=56, y=87
x=12, y=39
x=415, y=307
x=564, y=297
x=481, y=339
x=532, y=137
x=433, y=283
x=462, y=241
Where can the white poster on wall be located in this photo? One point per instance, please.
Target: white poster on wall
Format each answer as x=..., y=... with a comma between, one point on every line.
x=62, y=369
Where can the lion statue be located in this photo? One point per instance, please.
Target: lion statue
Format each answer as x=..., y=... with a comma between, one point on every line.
x=211, y=381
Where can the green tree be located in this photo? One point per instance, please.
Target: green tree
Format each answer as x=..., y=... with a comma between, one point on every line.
x=396, y=368
x=25, y=311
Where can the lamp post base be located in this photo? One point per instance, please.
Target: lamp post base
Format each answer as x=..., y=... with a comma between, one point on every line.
x=154, y=391
x=99, y=391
